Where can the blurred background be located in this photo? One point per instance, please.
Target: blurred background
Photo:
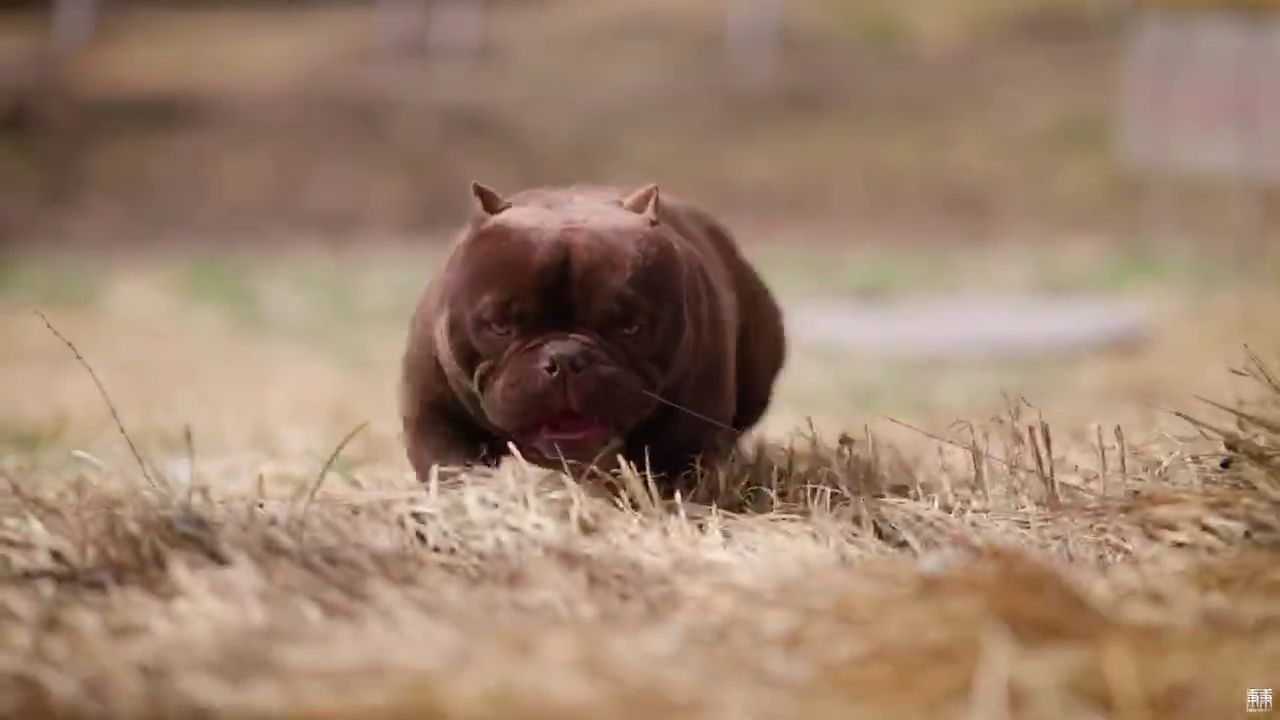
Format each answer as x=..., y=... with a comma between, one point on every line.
x=958, y=201
x=148, y=122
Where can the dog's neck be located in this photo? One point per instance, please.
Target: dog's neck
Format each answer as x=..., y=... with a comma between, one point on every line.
x=464, y=387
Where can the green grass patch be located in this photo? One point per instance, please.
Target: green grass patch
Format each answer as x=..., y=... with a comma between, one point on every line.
x=28, y=438
x=875, y=272
x=226, y=284
x=47, y=282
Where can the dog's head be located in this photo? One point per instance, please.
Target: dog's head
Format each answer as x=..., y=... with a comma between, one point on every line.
x=562, y=321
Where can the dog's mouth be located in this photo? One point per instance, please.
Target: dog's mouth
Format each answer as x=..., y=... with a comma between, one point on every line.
x=570, y=435
x=573, y=427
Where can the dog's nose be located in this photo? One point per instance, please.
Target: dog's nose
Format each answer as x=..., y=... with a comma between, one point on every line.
x=563, y=356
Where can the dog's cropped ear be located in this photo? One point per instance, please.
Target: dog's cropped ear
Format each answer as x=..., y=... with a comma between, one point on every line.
x=644, y=202
x=488, y=201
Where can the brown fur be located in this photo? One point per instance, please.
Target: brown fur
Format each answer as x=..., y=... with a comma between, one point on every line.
x=585, y=302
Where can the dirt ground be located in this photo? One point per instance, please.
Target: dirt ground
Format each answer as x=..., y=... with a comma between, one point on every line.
x=1076, y=552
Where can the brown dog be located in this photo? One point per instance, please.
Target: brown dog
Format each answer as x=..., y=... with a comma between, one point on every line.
x=583, y=323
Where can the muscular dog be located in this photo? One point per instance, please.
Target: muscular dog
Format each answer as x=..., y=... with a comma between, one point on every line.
x=584, y=323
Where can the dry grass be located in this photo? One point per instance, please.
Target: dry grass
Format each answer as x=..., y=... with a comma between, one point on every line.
x=1013, y=570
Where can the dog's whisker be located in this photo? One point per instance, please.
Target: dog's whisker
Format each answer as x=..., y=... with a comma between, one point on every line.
x=684, y=409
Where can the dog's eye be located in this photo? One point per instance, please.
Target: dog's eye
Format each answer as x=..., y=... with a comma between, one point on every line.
x=500, y=327
x=632, y=328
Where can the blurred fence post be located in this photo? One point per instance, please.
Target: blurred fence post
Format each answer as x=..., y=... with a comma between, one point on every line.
x=58, y=135
x=401, y=27
x=456, y=28
x=1199, y=98
x=452, y=28
x=74, y=22
x=752, y=35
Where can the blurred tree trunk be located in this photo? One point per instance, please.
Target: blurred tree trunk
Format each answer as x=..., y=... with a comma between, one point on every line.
x=450, y=28
x=41, y=106
x=753, y=32
x=401, y=27
x=457, y=28
x=74, y=23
